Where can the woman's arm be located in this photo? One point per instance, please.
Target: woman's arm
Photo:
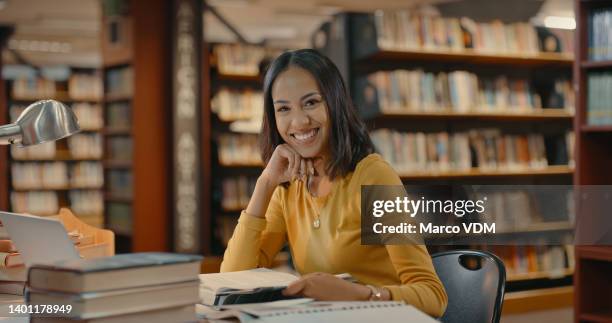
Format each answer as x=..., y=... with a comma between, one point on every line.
x=261, y=231
x=420, y=285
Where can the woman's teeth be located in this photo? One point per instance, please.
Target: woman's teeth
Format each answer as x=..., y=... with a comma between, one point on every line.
x=305, y=135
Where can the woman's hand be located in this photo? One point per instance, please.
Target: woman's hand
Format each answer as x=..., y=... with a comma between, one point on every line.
x=285, y=165
x=327, y=287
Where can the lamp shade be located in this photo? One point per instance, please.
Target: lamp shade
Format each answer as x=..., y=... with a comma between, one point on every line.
x=40, y=122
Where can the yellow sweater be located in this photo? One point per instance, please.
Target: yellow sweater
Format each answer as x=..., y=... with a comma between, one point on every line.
x=335, y=247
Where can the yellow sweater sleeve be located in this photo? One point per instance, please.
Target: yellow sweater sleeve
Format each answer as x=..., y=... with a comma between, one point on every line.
x=256, y=241
x=420, y=285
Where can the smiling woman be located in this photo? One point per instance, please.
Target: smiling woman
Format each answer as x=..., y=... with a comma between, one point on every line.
x=318, y=154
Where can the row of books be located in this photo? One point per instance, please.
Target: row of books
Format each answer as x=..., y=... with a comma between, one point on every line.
x=237, y=192
x=89, y=115
x=145, y=287
x=599, y=38
x=599, y=98
x=85, y=145
x=517, y=210
x=120, y=182
x=88, y=204
x=52, y=175
x=119, y=217
x=406, y=30
x=118, y=115
x=45, y=150
x=461, y=91
x=84, y=86
x=486, y=149
x=33, y=88
x=119, y=148
x=238, y=59
x=120, y=81
x=553, y=261
x=232, y=105
x=238, y=149
x=38, y=203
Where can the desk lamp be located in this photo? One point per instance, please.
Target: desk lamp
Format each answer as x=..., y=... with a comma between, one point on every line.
x=40, y=122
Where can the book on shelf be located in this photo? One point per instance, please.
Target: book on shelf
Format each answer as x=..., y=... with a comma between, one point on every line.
x=483, y=149
x=239, y=149
x=35, y=202
x=116, y=272
x=238, y=59
x=599, y=22
x=85, y=86
x=46, y=150
x=405, y=30
x=89, y=115
x=236, y=192
x=546, y=261
x=599, y=98
x=231, y=105
x=33, y=88
x=455, y=92
x=120, y=82
x=119, y=148
x=118, y=115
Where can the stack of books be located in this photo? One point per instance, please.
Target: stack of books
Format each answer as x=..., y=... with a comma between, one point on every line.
x=12, y=270
x=148, y=287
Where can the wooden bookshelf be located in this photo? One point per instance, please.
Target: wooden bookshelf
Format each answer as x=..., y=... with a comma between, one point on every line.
x=357, y=55
x=17, y=96
x=233, y=82
x=596, y=64
x=472, y=57
x=593, y=297
x=519, y=115
x=148, y=208
x=477, y=173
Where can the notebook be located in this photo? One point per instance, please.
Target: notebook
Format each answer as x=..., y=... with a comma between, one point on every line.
x=389, y=312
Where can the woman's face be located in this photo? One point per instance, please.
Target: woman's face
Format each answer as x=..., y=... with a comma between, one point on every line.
x=301, y=112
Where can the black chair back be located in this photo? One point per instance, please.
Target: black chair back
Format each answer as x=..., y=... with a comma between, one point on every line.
x=474, y=281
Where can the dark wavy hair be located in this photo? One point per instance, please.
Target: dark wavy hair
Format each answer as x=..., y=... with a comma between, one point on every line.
x=349, y=139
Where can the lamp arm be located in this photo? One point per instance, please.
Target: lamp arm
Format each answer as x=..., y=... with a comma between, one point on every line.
x=10, y=134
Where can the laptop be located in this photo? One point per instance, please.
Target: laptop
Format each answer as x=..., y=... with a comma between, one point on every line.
x=39, y=240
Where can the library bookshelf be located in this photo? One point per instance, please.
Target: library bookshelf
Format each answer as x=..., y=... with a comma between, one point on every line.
x=237, y=91
x=137, y=124
x=366, y=64
x=64, y=173
x=593, y=286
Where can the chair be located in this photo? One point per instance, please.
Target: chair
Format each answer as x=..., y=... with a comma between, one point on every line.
x=474, y=281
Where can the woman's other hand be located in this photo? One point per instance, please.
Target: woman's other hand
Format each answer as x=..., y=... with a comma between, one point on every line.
x=285, y=165
x=327, y=287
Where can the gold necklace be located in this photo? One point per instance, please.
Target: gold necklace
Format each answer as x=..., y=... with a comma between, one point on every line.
x=317, y=222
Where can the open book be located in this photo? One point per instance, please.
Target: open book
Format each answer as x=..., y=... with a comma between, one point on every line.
x=247, y=286
x=241, y=287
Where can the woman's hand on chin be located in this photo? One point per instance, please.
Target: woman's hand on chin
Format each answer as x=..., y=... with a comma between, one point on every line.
x=327, y=287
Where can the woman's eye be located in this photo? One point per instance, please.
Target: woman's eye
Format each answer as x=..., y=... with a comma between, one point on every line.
x=282, y=109
x=311, y=103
